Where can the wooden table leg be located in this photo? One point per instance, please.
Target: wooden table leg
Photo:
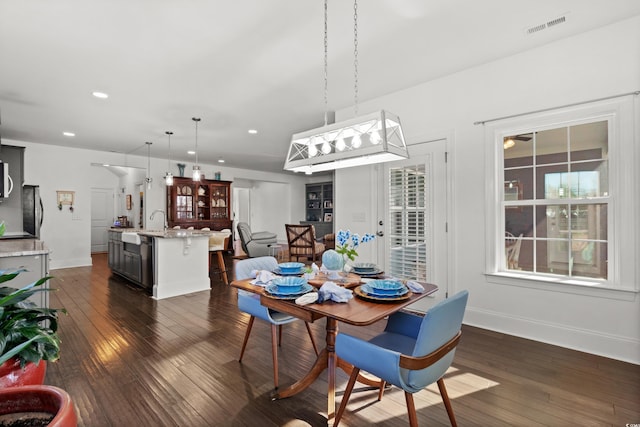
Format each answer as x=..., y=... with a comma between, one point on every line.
x=327, y=359
x=322, y=362
x=295, y=388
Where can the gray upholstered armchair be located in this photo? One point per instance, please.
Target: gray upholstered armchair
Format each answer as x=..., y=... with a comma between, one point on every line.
x=255, y=244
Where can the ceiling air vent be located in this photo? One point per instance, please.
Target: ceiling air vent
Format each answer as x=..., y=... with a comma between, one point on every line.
x=550, y=23
x=556, y=21
x=537, y=28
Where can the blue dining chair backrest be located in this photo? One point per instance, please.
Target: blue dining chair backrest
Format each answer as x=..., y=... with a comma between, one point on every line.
x=441, y=323
x=411, y=335
x=246, y=268
x=250, y=302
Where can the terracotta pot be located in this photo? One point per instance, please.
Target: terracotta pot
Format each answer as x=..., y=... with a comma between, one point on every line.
x=12, y=375
x=39, y=398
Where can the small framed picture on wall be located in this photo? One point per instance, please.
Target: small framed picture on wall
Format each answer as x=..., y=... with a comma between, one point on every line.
x=128, y=202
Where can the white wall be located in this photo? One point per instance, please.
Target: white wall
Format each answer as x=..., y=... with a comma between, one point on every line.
x=68, y=234
x=592, y=65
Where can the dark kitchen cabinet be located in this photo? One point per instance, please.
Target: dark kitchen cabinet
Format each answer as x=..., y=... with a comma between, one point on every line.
x=206, y=203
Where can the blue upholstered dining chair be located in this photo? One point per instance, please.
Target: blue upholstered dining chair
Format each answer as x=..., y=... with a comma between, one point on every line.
x=412, y=352
x=250, y=303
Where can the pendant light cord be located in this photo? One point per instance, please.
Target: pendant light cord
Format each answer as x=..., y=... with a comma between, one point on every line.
x=169, y=133
x=326, y=67
x=195, y=119
x=355, y=57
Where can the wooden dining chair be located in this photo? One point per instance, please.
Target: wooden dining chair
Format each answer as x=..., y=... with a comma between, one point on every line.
x=411, y=353
x=302, y=242
x=250, y=303
x=218, y=243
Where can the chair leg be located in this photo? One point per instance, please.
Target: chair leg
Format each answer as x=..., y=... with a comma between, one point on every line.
x=411, y=409
x=246, y=337
x=222, y=267
x=383, y=383
x=274, y=353
x=447, y=402
x=280, y=336
x=346, y=395
x=313, y=341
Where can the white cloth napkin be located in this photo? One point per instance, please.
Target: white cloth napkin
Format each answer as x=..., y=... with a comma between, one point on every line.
x=415, y=287
x=331, y=291
x=263, y=278
x=308, y=298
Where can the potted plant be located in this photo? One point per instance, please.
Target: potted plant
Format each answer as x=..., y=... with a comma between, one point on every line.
x=28, y=339
x=36, y=405
x=28, y=333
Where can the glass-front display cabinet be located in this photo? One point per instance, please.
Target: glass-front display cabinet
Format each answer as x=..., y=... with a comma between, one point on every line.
x=199, y=204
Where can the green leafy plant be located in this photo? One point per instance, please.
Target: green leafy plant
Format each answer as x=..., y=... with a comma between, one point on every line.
x=27, y=332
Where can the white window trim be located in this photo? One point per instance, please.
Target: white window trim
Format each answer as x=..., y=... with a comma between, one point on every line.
x=623, y=210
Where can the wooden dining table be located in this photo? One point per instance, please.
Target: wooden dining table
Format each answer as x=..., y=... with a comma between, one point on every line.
x=357, y=311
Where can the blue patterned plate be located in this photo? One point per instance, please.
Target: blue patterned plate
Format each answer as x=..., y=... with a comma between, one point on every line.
x=368, y=273
x=386, y=285
x=364, y=267
x=290, y=267
x=284, y=292
x=289, y=282
x=367, y=289
x=279, y=272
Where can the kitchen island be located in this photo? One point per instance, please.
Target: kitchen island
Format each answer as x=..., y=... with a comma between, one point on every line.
x=167, y=263
x=31, y=254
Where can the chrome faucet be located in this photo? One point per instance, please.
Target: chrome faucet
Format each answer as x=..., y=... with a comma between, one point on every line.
x=164, y=217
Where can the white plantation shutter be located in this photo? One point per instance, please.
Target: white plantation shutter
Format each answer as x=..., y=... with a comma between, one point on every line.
x=409, y=222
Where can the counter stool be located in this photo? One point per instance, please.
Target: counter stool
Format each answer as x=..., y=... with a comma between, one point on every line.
x=218, y=243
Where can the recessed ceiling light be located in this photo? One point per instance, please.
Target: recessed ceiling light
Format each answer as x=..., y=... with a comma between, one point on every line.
x=68, y=134
x=220, y=160
x=253, y=131
x=191, y=152
x=100, y=95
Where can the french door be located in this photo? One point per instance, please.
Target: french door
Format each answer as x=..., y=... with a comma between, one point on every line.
x=413, y=219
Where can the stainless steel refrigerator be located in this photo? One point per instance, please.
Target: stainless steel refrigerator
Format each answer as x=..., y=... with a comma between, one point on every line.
x=32, y=210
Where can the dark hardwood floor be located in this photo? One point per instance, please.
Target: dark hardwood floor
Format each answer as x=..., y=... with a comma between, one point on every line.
x=129, y=360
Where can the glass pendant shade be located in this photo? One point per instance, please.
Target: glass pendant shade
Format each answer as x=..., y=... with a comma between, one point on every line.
x=168, y=179
x=364, y=140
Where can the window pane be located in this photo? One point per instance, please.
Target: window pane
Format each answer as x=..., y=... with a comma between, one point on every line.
x=518, y=150
x=589, y=141
x=553, y=182
x=589, y=179
x=518, y=184
x=590, y=260
x=551, y=146
x=589, y=222
x=518, y=220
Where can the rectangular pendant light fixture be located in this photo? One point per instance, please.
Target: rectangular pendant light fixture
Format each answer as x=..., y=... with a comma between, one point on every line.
x=363, y=140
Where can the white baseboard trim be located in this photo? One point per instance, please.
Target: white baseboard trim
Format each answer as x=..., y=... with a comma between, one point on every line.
x=69, y=263
x=593, y=342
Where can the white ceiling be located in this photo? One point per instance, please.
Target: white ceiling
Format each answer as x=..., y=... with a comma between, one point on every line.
x=242, y=64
